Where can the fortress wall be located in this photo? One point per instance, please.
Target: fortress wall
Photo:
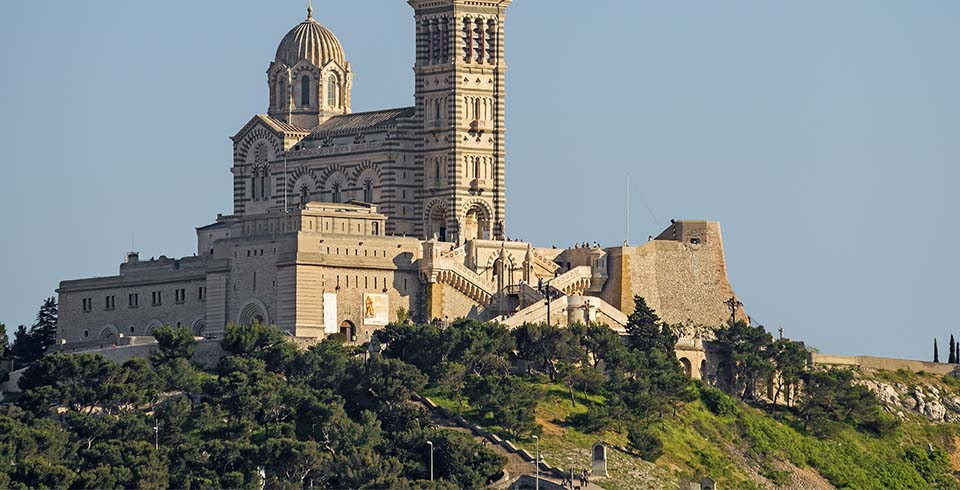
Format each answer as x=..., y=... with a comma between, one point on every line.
x=452, y=304
x=882, y=363
x=682, y=275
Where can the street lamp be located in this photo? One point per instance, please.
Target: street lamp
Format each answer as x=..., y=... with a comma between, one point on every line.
x=547, y=293
x=537, y=461
x=430, y=443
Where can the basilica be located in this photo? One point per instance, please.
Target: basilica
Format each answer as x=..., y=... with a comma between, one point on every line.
x=343, y=222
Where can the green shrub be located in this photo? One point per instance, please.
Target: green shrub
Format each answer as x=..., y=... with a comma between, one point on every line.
x=880, y=424
x=718, y=402
x=951, y=381
x=778, y=477
x=595, y=419
x=644, y=442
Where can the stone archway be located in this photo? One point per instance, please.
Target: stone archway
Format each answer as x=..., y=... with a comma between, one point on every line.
x=687, y=368
x=253, y=312
x=348, y=330
x=436, y=221
x=476, y=224
x=109, y=333
x=724, y=376
x=199, y=327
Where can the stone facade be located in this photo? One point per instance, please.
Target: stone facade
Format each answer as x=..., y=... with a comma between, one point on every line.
x=343, y=219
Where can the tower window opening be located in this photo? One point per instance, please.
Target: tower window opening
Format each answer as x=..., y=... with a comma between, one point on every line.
x=368, y=191
x=337, y=193
x=479, y=41
x=304, y=195
x=332, y=99
x=305, y=91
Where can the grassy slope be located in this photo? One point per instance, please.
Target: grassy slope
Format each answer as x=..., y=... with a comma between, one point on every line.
x=750, y=449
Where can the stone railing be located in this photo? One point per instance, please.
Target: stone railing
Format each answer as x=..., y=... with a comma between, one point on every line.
x=574, y=280
x=451, y=272
x=525, y=293
x=455, y=253
x=545, y=263
x=537, y=313
x=617, y=317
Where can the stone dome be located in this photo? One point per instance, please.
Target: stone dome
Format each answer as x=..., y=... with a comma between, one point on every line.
x=312, y=42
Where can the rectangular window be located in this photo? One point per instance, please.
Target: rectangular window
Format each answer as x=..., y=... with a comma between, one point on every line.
x=110, y=303
x=157, y=298
x=202, y=293
x=87, y=304
x=180, y=295
x=133, y=300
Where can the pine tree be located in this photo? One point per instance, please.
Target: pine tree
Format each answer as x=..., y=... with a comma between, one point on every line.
x=936, y=355
x=643, y=325
x=44, y=329
x=24, y=349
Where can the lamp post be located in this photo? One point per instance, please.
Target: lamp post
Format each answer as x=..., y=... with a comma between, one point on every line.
x=430, y=443
x=549, y=295
x=537, y=461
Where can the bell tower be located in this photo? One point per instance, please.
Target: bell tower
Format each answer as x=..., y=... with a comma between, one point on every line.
x=460, y=80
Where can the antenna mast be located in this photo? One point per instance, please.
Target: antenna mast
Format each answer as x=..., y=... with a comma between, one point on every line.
x=626, y=238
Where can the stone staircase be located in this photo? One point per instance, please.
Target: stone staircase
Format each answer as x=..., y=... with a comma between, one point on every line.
x=448, y=268
x=521, y=465
x=537, y=313
x=574, y=281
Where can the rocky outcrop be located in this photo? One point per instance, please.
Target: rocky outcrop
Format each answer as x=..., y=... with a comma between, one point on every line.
x=926, y=400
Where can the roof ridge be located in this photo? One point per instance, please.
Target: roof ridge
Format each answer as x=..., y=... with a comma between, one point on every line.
x=397, y=109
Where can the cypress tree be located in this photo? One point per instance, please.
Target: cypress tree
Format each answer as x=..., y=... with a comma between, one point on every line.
x=936, y=355
x=956, y=351
x=953, y=351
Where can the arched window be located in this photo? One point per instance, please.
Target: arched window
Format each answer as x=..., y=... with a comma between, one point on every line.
x=332, y=99
x=253, y=186
x=436, y=170
x=368, y=191
x=436, y=110
x=304, y=195
x=305, y=91
x=476, y=109
x=264, y=184
x=279, y=95
x=476, y=168
x=337, y=193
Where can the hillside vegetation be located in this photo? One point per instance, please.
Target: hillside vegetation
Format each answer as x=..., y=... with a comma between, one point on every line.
x=745, y=447
x=339, y=416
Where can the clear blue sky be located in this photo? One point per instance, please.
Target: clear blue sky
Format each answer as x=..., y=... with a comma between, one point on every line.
x=823, y=135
